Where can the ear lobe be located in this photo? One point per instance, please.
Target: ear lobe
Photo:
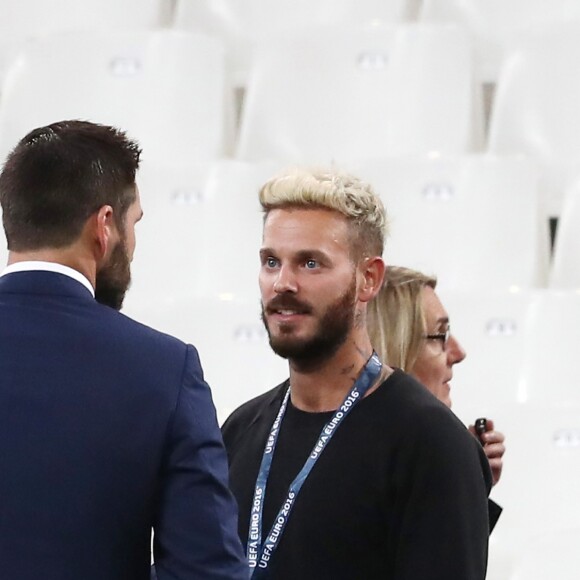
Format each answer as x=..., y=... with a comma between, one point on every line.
x=373, y=272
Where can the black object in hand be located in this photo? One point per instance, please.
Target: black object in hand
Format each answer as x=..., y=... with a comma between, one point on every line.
x=480, y=427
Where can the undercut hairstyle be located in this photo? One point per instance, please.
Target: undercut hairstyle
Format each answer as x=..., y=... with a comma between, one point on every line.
x=396, y=318
x=337, y=191
x=58, y=176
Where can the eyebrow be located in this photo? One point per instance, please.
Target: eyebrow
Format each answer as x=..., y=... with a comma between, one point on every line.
x=300, y=255
x=317, y=254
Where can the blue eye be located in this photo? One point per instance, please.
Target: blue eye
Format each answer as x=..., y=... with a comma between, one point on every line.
x=271, y=262
x=311, y=264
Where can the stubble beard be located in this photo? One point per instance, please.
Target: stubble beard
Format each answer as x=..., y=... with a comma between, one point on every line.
x=114, y=279
x=330, y=334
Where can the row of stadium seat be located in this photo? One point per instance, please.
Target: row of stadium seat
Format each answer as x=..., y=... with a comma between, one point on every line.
x=339, y=98
x=472, y=220
x=492, y=24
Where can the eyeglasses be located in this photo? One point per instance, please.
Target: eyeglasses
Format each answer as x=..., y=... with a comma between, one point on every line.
x=443, y=337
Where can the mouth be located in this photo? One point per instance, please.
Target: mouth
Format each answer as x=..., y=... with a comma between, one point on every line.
x=286, y=314
x=286, y=310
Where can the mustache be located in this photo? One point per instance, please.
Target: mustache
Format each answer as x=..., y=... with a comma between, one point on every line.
x=287, y=302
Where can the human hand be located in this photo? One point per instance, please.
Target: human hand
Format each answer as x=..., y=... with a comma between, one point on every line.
x=493, y=446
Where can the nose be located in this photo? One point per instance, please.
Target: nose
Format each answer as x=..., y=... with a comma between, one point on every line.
x=455, y=352
x=285, y=281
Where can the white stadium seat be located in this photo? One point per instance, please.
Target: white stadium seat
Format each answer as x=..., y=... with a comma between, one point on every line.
x=471, y=220
x=539, y=492
x=565, y=271
x=493, y=24
x=243, y=23
x=492, y=327
x=521, y=349
x=232, y=343
x=552, y=555
x=37, y=17
x=21, y=20
x=170, y=240
x=536, y=107
x=549, y=371
x=232, y=230
x=349, y=95
x=167, y=89
x=200, y=235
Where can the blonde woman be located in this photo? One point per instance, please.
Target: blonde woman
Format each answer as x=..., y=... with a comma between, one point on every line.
x=409, y=328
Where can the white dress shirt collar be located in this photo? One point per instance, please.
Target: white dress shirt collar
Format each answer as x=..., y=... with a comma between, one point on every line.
x=32, y=266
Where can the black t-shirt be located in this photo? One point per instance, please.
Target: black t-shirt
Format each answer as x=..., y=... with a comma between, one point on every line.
x=400, y=492
x=299, y=433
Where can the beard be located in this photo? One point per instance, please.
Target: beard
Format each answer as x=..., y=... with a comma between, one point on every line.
x=114, y=278
x=331, y=331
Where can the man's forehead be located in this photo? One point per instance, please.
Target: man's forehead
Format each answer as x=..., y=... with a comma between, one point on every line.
x=322, y=220
x=302, y=229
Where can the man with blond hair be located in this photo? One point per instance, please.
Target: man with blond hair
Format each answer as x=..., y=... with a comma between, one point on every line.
x=349, y=469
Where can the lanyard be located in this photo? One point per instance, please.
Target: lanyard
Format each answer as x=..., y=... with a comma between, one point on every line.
x=259, y=555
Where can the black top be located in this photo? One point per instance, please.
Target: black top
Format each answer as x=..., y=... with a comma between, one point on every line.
x=399, y=493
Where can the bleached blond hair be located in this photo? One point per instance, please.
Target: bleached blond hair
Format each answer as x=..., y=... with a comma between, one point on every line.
x=396, y=318
x=335, y=190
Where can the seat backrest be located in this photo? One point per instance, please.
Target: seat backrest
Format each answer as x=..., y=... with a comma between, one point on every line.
x=471, y=220
x=241, y=24
x=201, y=233
x=565, y=268
x=167, y=89
x=30, y=18
x=491, y=327
x=538, y=488
x=22, y=20
x=232, y=343
x=536, y=110
x=549, y=371
x=349, y=95
x=493, y=24
x=170, y=240
x=553, y=555
x=232, y=230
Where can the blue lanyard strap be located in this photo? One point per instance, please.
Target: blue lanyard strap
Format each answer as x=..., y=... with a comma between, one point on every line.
x=259, y=555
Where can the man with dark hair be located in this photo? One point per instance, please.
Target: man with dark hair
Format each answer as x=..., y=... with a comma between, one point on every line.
x=107, y=428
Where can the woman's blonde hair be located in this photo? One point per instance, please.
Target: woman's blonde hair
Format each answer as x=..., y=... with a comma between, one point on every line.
x=395, y=318
x=334, y=190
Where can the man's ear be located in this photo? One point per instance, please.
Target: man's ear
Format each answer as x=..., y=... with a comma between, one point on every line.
x=106, y=233
x=372, y=272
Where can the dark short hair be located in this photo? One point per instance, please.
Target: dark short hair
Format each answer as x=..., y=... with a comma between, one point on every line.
x=58, y=176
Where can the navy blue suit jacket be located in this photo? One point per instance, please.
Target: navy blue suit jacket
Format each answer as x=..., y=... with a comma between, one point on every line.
x=107, y=429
